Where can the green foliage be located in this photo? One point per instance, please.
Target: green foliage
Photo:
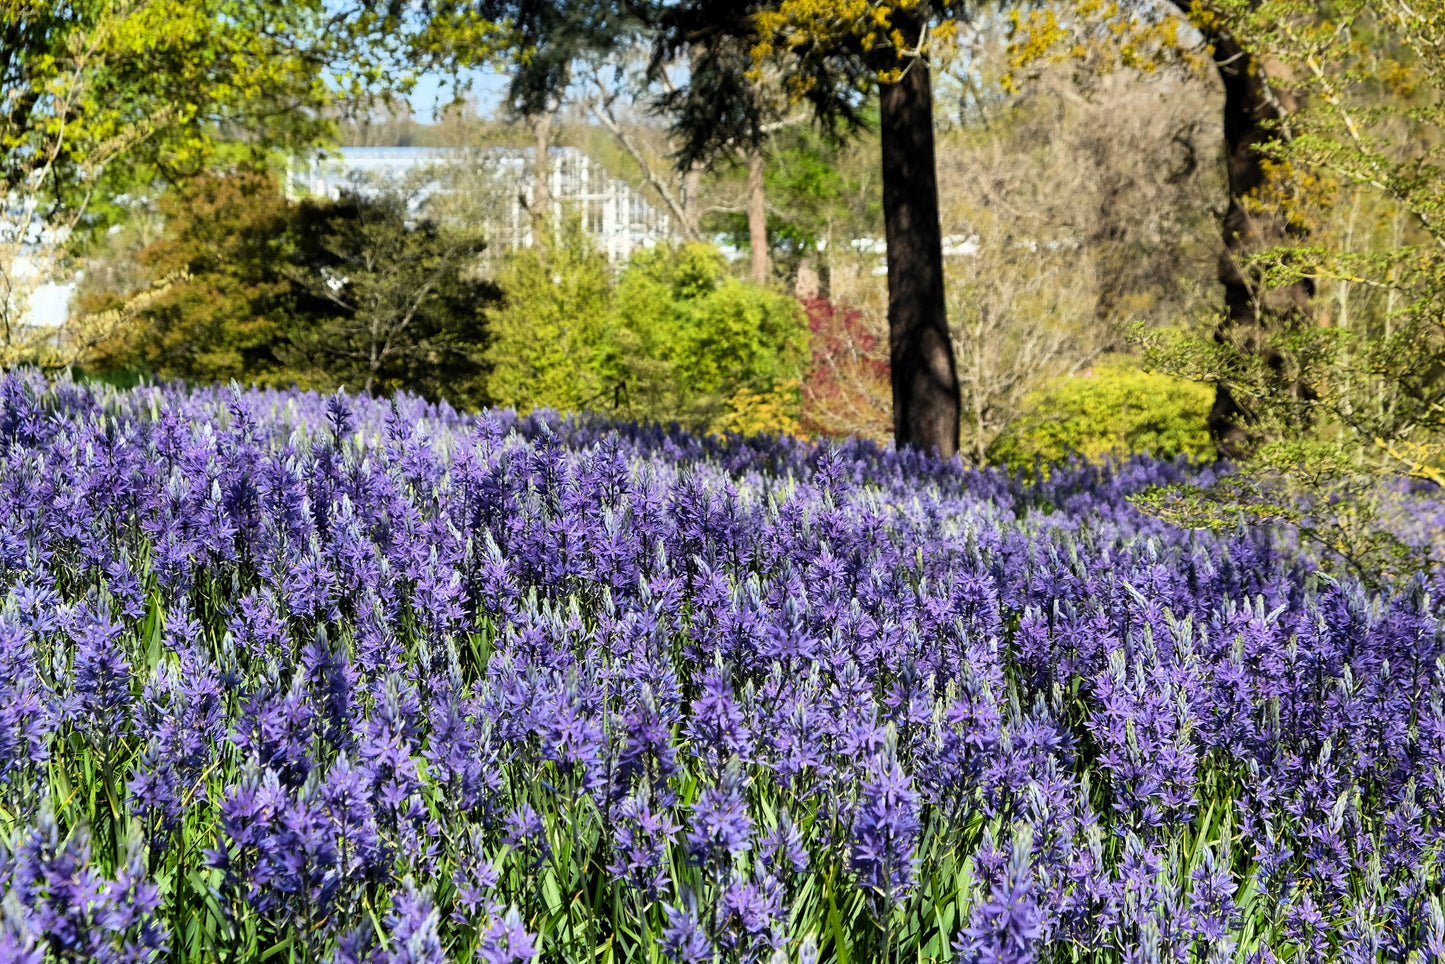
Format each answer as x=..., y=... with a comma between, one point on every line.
x=1362, y=153
x=386, y=300
x=100, y=97
x=675, y=338
x=1330, y=358
x=351, y=293
x=1353, y=517
x=549, y=326
x=718, y=334
x=1343, y=398
x=542, y=40
x=228, y=235
x=836, y=49
x=821, y=194
x=1116, y=410
x=103, y=101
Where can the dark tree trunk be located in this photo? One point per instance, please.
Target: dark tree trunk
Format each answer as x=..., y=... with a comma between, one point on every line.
x=1252, y=314
x=925, y=383
x=757, y=218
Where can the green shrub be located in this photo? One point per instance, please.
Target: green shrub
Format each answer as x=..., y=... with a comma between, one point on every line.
x=546, y=332
x=1113, y=410
x=675, y=338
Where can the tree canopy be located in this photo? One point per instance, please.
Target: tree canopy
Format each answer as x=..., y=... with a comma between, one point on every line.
x=831, y=53
x=102, y=100
x=358, y=293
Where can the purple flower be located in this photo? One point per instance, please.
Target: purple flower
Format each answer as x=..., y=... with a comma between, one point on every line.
x=569, y=728
x=184, y=713
x=642, y=845
x=345, y=798
x=885, y=830
x=37, y=605
x=717, y=727
x=506, y=941
x=475, y=879
x=683, y=939
x=390, y=634
x=69, y=907
x=19, y=948
x=276, y=728
x=389, y=759
x=783, y=847
x=332, y=683
x=462, y=752
x=1435, y=936
x=356, y=946
x=412, y=935
x=721, y=826
x=293, y=854
x=750, y=915
x=27, y=714
x=647, y=751
x=102, y=678
x=1006, y=927
x=524, y=831
x=1212, y=911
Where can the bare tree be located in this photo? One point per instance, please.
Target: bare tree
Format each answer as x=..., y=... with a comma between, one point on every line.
x=605, y=103
x=540, y=205
x=389, y=123
x=621, y=88
x=1018, y=315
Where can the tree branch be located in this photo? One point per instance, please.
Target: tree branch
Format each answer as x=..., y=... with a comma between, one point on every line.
x=602, y=109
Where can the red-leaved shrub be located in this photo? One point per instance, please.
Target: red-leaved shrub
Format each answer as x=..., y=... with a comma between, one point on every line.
x=847, y=390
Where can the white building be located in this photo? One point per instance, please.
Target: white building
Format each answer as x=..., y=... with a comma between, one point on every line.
x=46, y=302
x=617, y=215
x=28, y=249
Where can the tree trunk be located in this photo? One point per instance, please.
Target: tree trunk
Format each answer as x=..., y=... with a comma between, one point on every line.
x=757, y=217
x=691, y=199
x=541, y=181
x=692, y=180
x=1106, y=240
x=925, y=381
x=1252, y=313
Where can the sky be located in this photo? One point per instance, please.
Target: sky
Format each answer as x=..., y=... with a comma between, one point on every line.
x=432, y=91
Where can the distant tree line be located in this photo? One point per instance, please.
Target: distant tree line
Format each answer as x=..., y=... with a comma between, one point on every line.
x=369, y=292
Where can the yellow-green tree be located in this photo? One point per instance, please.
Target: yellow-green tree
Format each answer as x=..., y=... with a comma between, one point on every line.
x=1367, y=79
x=101, y=99
x=546, y=331
x=1325, y=101
x=1325, y=105
x=1261, y=211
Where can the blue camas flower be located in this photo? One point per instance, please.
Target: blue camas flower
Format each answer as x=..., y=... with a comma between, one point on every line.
x=350, y=679
x=886, y=828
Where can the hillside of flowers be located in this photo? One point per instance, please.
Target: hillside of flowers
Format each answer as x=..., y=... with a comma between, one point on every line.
x=288, y=678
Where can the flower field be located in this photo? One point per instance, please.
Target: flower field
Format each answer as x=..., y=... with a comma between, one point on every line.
x=285, y=678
